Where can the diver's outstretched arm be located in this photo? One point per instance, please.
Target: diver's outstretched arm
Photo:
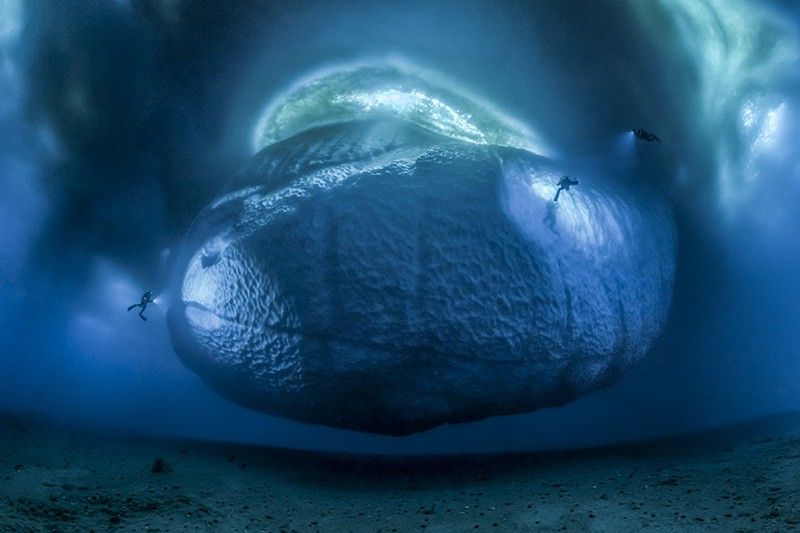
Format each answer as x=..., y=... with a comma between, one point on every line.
x=557, y=193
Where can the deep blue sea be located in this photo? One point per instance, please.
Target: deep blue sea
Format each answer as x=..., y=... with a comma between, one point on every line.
x=121, y=121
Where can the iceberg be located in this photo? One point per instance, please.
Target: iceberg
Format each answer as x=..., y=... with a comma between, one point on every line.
x=397, y=262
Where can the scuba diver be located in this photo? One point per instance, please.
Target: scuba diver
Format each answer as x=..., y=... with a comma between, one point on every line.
x=147, y=298
x=645, y=135
x=563, y=185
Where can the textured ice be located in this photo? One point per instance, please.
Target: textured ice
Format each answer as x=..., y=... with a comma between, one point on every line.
x=392, y=90
x=378, y=275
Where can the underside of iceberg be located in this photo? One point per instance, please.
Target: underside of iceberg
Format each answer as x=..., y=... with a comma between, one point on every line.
x=392, y=259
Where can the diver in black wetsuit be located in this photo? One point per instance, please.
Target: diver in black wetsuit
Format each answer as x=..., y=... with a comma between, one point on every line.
x=645, y=135
x=563, y=185
x=147, y=298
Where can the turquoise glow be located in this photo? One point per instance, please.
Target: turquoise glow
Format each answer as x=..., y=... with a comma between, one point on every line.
x=393, y=89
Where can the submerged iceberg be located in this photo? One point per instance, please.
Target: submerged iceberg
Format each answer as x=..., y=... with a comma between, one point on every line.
x=378, y=269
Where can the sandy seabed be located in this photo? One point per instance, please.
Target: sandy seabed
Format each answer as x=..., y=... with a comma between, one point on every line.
x=739, y=478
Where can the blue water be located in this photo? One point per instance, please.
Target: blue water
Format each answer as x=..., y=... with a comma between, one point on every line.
x=120, y=122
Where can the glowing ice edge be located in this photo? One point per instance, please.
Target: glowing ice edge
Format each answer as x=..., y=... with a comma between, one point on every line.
x=391, y=89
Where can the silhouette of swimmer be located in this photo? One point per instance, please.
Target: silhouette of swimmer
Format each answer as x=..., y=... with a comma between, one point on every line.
x=645, y=135
x=147, y=298
x=563, y=185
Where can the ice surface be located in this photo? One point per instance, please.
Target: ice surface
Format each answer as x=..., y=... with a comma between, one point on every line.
x=378, y=275
x=396, y=90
